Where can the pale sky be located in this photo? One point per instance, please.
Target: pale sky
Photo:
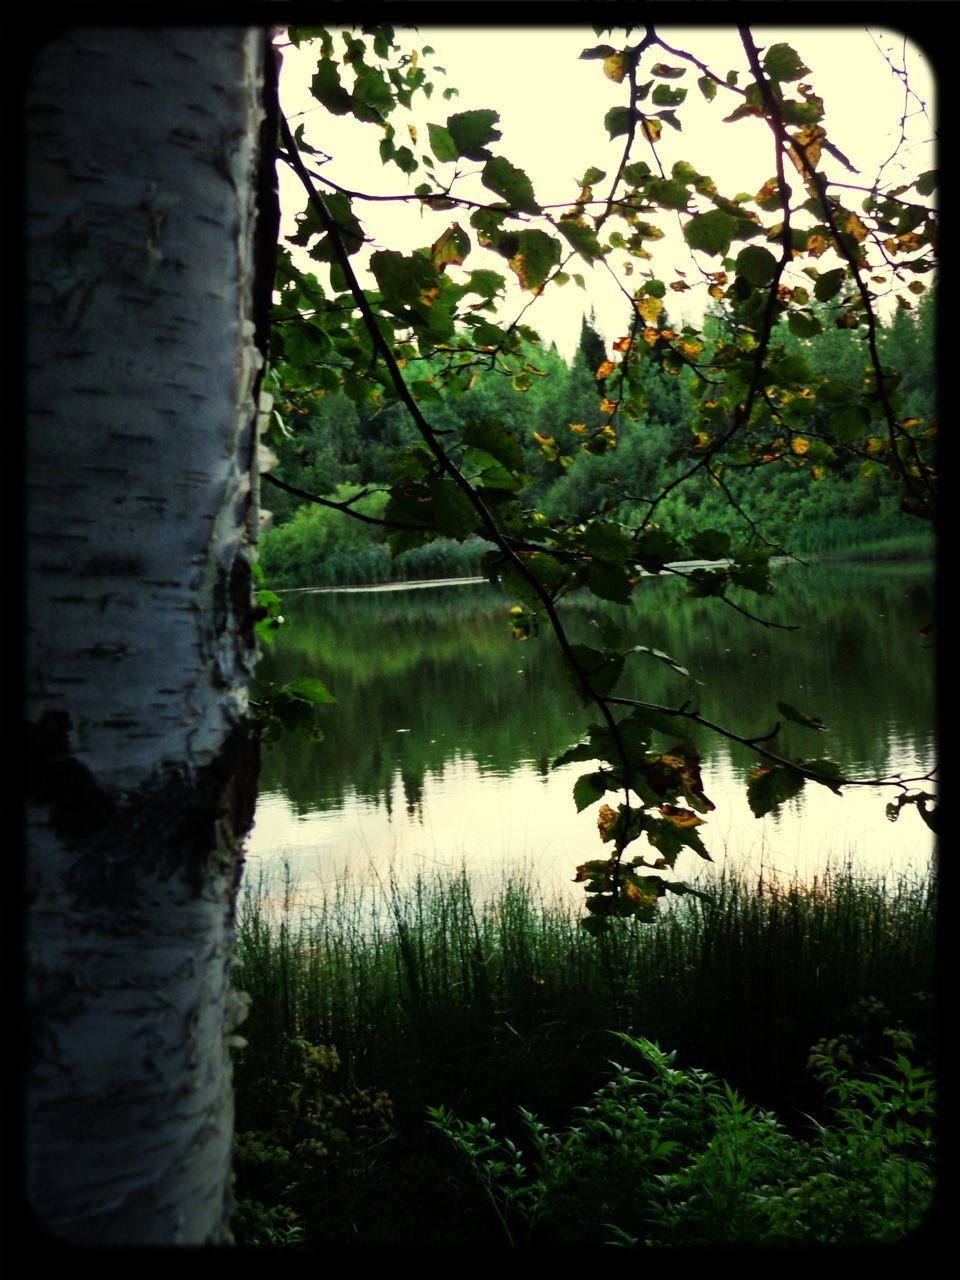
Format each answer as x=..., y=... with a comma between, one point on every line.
x=551, y=107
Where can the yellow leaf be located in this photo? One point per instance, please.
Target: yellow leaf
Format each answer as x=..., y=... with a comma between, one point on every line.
x=650, y=308
x=854, y=227
x=652, y=130
x=623, y=344
x=817, y=245
x=800, y=445
x=608, y=406
x=412, y=130
x=606, y=367
x=615, y=67
x=650, y=335
x=605, y=820
x=805, y=146
x=680, y=817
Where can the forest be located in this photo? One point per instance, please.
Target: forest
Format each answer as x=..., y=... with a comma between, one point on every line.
x=334, y=448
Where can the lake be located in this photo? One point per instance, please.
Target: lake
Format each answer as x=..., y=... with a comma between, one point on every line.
x=438, y=751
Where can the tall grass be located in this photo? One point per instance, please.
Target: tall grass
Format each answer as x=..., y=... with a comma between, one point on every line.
x=439, y=995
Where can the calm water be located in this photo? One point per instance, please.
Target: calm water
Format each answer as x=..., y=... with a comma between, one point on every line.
x=439, y=749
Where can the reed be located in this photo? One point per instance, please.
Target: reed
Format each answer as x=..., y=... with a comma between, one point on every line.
x=438, y=993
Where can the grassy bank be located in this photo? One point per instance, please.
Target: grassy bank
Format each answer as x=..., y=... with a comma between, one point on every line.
x=380, y=1003
x=320, y=548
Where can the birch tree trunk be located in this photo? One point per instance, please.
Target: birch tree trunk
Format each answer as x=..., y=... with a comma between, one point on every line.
x=143, y=151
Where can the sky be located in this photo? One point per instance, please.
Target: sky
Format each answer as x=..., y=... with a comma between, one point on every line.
x=552, y=105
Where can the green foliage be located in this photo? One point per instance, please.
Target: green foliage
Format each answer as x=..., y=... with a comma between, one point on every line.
x=792, y=385
x=663, y=1156
x=297, y=1131
x=436, y=996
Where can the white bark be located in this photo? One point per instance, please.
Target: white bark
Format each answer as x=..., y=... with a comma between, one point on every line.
x=142, y=149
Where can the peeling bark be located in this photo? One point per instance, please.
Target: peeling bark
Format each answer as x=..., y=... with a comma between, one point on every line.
x=143, y=172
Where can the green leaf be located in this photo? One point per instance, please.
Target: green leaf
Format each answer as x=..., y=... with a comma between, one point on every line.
x=832, y=777
x=768, y=788
x=927, y=183
x=646, y=718
x=310, y=690
x=804, y=324
x=602, y=669
x=850, y=423
x=751, y=570
x=607, y=540
x=441, y=143
x=711, y=232
x=710, y=544
x=756, y=265
x=327, y=89
x=588, y=789
x=829, y=284
x=486, y=283
x=451, y=509
x=532, y=256
x=451, y=247
x=372, y=97
x=582, y=237
x=582, y=751
x=708, y=87
x=654, y=548
x=402, y=280
x=472, y=130
x=662, y=657
x=669, y=194
x=500, y=176
x=609, y=582
x=665, y=96
x=350, y=230
x=799, y=717
x=495, y=439
x=617, y=121
x=781, y=63
x=592, y=176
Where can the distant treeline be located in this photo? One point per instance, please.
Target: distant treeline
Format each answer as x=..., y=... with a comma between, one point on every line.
x=335, y=449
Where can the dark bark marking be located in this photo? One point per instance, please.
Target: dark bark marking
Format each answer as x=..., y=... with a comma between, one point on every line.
x=78, y=806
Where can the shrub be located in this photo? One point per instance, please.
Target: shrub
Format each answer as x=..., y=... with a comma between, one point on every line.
x=663, y=1156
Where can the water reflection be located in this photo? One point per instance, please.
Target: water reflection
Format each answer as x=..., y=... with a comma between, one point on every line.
x=438, y=749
